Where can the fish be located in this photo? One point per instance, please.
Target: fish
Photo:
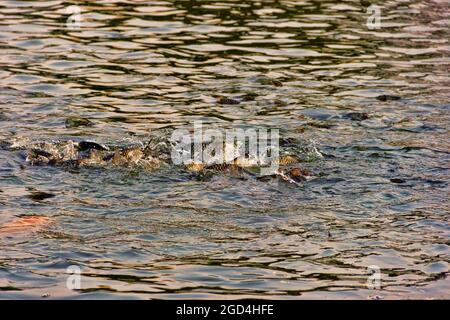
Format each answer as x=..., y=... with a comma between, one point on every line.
x=87, y=145
x=227, y=101
x=387, y=97
x=24, y=224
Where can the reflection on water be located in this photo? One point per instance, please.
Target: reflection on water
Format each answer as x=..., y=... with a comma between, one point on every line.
x=314, y=70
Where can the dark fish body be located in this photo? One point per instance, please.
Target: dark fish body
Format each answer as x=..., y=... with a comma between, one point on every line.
x=78, y=122
x=86, y=145
x=228, y=101
x=356, y=116
x=249, y=97
x=387, y=97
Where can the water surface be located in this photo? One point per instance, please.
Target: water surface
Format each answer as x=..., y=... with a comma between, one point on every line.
x=136, y=67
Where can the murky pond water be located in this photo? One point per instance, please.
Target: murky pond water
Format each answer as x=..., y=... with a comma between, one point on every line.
x=315, y=69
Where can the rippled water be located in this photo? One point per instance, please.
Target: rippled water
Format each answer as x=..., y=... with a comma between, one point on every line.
x=133, y=67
